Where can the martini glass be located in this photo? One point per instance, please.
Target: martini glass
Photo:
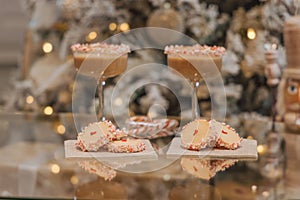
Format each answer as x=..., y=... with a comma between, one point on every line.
x=194, y=62
x=100, y=61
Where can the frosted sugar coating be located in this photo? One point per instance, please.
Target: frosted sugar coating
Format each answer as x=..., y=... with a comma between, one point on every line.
x=101, y=48
x=195, y=50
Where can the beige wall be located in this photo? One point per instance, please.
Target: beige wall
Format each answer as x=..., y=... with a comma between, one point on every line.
x=12, y=22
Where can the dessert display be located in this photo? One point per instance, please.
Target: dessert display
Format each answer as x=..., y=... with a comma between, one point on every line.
x=191, y=60
x=100, y=57
x=200, y=134
x=104, y=135
x=144, y=127
x=203, y=168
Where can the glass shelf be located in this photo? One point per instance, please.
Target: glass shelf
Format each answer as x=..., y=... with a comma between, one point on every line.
x=33, y=165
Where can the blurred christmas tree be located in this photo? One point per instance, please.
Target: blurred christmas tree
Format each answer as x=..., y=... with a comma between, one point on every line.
x=243, y=27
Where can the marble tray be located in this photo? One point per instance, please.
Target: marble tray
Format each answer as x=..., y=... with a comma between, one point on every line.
x=72, y=152
x=247, y=150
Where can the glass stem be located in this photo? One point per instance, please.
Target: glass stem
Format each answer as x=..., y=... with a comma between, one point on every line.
x=195, y=106
x=101, y=85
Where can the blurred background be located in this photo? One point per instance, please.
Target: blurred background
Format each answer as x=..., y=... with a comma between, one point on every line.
x=13, y=22
x=36, y=67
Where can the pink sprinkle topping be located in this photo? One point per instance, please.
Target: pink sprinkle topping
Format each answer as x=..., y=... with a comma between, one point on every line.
x=93, y=133
x=224, y=132
x=101, y=48
x=195, y=132
x=195, y=50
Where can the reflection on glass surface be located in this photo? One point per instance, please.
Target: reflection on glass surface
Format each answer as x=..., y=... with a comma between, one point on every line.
x=100, y=189
x=203, y=168
x=106, y=169
x=96, y=167
x=194, y=190
x=33, y=165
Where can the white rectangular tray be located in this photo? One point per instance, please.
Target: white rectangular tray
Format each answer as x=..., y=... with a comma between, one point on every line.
x=247, y=150
x=72, y=152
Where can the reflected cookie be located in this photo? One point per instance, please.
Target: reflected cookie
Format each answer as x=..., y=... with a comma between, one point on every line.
x=203, y=168
x=199, y=168
x=222, y=165
x=96, y=167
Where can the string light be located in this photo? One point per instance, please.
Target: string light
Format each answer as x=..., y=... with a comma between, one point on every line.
x=29, y=99
x=166, y=177
x=261, y=149
x=118, y=101
x=266, y=194
x=48, y=110
x=91, y=36
x=61, y=129
x=250, y=137
x=47, y=47
x=274, y=46
x=71, y=86
x=112, y=26
x=124, y=27
x=74, y=180
x=251, y=34
x=253, y=188
x=55, y=169
x=270, y=46
x=167, y=5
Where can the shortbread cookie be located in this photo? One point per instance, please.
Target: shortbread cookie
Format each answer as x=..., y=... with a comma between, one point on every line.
x=109, y=129
x=228, y=138
x=96, y=167
x=95, y=135
x=112, y=133
x=200, y=134
x=126, y=146
x=92, y=137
